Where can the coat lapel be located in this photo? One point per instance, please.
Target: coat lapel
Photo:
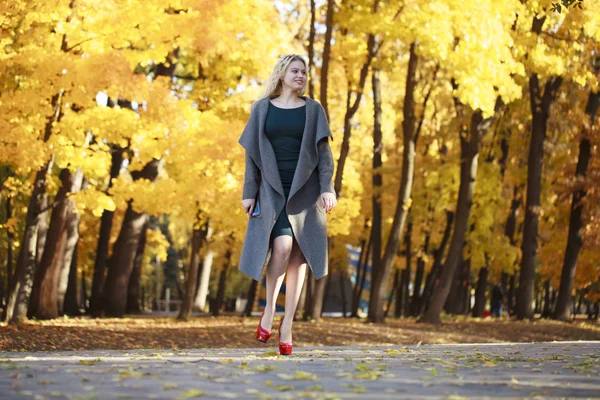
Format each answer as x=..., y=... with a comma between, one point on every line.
x=269, y=163
x=308, y=159
x=257, y=144
x=315, y=129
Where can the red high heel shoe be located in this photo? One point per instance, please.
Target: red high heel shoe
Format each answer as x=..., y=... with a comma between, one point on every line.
x=285, y=349
x=262, y=335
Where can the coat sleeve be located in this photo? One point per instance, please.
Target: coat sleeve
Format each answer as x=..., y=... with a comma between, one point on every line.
x=325, y=164
x=252, y=172
x=251, y=179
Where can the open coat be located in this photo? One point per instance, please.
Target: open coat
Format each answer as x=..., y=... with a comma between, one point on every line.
x=305, y=210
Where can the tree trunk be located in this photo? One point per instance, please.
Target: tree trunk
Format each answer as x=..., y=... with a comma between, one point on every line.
x=222, y=279
x=204, y=279
x=311, y=49
x=468, y=175
x=480, y=298
x=326, y=54
x=9, y=250
x=42, y=232
x=133, y=288
x=438, y=254
x=251, y=298
x=198, y=237
x=547, y=311
x=420, y=272
x=104, y=239
x=342, y=277
x=574, y=241
x=378, y=280
x=466, y=289
x=395, y=292
x=540, y=110
x=452, y=304
x=44, y=302
x=361, y=273
x=351, y=109
x=120, y=264
x=407, y=271
x=20, y=292
x=72, y=301
x=69, y=257
x=318, y=297
x=379, y=287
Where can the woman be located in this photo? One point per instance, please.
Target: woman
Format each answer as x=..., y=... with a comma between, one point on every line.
x=289, y=170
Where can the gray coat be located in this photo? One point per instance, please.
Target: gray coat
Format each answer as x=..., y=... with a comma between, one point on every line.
x=305, y=210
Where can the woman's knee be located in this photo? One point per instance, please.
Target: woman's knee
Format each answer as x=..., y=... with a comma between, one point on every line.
x=282, y=247
x=296, y=255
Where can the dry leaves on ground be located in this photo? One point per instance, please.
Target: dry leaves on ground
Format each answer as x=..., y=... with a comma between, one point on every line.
x=234, y=331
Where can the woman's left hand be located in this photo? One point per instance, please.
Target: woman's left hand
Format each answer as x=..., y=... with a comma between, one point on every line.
x=329, y=201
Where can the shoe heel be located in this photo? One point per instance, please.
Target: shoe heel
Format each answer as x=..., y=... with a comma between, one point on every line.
x=262, y=335
x=285, y=349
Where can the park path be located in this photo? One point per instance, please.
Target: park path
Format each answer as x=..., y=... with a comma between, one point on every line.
x=519, y=370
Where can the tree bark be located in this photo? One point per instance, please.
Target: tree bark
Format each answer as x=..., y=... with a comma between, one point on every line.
x=396, y=287
x=377, y=296
x=468, y=175
x=222, y=279
x=104, y=239
x=342, y=277
x=540, y=110
x=204, y=278
x=361, y=272
x=438, y=255
x=20, y=292
x=72, y=301
x=9, y=250
x=310, y=288
x=480, y=298
x=379, y=287
x=44, y=302
x=420, y=272
x=251, y=298
x=574, y=241
x=133, y=288
x=326, y=55
x=69, y=254
x=547, y=310
x=318, y=296
x=42, y=232
x=351, y=109
x=198, y=237
x=510, y=301
x=120, y=264
x=311, y=48
x=452, y=304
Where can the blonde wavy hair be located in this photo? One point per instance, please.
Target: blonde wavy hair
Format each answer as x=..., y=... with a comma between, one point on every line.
x=274, y=85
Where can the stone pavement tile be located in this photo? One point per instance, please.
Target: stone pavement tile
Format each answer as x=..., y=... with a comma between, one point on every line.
x=520, y=370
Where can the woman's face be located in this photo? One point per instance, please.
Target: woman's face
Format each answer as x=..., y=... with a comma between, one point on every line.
x=295, y=76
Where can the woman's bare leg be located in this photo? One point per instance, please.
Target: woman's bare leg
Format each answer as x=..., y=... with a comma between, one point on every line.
x=293, y=288
x=280, y=256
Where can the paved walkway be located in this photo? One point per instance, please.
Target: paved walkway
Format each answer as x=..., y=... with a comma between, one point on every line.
x=543, y=370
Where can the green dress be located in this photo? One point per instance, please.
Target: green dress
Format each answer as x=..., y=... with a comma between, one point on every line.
x=284, y=128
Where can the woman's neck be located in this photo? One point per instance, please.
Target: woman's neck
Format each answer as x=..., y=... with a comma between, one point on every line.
x=288, y=98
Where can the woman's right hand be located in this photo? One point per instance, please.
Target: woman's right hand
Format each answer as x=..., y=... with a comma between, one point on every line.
x=248, y=205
